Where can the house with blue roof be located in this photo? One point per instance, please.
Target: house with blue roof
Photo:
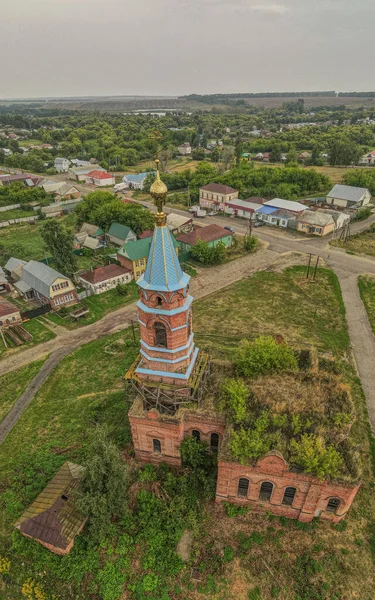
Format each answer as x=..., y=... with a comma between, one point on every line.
x=135, y=181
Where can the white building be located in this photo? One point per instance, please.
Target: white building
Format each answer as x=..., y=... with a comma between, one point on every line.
x=184, y=149
x=100, y=178
x=105, y=278
x=348, y=196
x=62, y=165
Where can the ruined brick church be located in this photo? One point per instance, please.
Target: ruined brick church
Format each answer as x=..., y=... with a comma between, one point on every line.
x=171, y=377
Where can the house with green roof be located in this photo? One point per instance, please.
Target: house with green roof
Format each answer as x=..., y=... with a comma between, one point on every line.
x=134, y=255
x=120, y=234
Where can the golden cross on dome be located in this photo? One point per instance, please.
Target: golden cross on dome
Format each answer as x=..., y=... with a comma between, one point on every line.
x=156, y=136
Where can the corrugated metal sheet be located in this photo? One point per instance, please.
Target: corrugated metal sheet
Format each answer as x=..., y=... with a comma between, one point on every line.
x=347, y=192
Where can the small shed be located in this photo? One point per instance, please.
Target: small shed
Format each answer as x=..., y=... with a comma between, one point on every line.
x=53, y=519
x=120, y=234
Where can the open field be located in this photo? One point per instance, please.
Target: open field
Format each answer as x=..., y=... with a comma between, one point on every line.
x=175, y=165
x=13, y=384
x=264, y=556
x=303, y=312
x=366, y=284
x=30, y=142
x=360, y=243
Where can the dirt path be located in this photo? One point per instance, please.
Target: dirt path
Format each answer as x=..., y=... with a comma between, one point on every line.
x=35, y=384
x=361, y=337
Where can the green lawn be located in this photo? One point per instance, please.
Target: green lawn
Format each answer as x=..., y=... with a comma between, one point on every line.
x=16, y=213
x=366, y=284
x=39, y=332
x=30, y=142
x=302, y=311
x=360, y=243
x=13, y=384
x=98, y=305
x=286, y=560
x=25, y=241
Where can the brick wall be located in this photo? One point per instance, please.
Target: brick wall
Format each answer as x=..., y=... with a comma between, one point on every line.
x=311, y=498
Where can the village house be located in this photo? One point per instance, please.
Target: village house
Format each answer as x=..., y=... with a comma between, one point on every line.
x=4, y=284
x=41, y=282
x=60, y=189
x=135, y=181
x=14, y=268
x=243, y=208
x=211, y=235
x=105, y=278
x=62, y=165
x=304, y=156
x=100, y=178
x=321, y=222
x=92, y=230
x=147, y=233
x=280, y=212
x=79, y=173
x=133, y=256
x=216, y=196
x=348, y=196
x=368, y=159
x=26, y=178
x=90, y=243
x=120, y=234
x=179, y=224
x=53, y=519
x=184, y=149
x=9, y=314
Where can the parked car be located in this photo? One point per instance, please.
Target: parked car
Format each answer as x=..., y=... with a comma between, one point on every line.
x=258, y=224
x=212, y=213
x=230, y=229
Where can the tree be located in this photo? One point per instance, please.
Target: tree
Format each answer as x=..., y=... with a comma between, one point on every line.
x=59, y=242
x=130, y=157
x=343, y=152
x=275, y=154
x=209, y=255
x=263, y=356
x=292, y=158
x=105, y=484
x=198, y=154
x=250, y=243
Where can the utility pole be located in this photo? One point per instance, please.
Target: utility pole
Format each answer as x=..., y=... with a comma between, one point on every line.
x=251, y=224
x=133, y=331
x=316, y=267
x=308, y=267
x=188, y=196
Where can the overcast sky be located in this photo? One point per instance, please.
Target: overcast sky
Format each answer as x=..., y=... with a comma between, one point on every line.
x=175, y=47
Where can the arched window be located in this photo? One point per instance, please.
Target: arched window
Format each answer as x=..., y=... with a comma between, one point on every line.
x=214, y=442
x=160, y=335
x=289, y=496
x=266, y=491
x=333, y=505
x=159, y=301
x=243, y=487
x=196, y=434
x=157, y=446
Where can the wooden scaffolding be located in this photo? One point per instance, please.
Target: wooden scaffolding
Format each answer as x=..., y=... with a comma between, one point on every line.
x=168, y=398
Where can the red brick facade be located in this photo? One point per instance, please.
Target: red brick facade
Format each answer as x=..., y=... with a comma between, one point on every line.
x=311, y=495
x=171, y=431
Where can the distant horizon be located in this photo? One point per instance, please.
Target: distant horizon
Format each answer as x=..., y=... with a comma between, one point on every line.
x=177, y=96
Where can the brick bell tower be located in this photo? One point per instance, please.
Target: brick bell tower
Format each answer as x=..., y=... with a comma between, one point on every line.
x=170, y=369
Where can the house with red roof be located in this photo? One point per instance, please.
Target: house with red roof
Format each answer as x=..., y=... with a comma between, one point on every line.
x=368, y=159
x=211, y=234
x=105, y=278
x=100, y=178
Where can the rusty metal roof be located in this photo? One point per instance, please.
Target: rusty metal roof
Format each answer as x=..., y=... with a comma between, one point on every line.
x=53, y=517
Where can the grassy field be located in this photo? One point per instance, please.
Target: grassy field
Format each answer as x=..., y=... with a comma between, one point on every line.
x=31, y=142
x=366, y=284
x=264, y=556
x=13, y=384
x=26, y=240
x=275, y=303
x=175, y=165
x=99, y=306
x=16, y=213
x=39, y=332
x=361, y=243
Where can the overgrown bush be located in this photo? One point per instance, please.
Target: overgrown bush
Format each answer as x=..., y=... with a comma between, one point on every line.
x=311, y=453
x=263, y=356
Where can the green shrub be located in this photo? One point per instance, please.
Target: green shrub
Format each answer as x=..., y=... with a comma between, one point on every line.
x=310, y=453
x=229, y=554
x=264, y=356
x=234, y=395
x=254, y=594
x=234, y=511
